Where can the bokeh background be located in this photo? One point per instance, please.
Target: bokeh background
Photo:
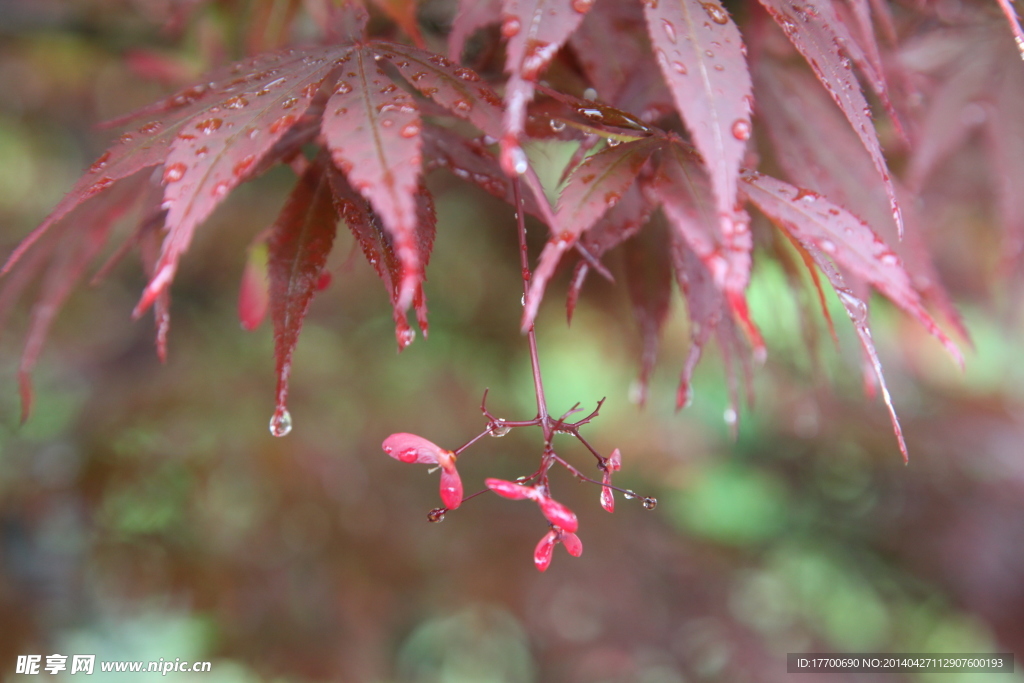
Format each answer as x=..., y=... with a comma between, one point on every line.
x=146, y=511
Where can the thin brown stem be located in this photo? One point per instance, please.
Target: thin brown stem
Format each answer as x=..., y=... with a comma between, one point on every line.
x=538, y=384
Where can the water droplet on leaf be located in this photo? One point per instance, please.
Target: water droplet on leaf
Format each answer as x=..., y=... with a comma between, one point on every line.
x=741, y=129
x=282, y=123
x=557, y=126
x=510, y=27
x=670, y=30
x=716, y=13
x=174, y=173
x=208, y=126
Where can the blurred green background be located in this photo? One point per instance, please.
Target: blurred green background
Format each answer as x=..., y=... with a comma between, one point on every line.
x=146, y=512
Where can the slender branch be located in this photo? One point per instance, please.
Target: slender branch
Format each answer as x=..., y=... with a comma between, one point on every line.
x=600, y=458
x=538, y=385
x=472, y=441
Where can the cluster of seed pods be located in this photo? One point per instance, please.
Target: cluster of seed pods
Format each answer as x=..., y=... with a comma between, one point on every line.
x=562, y=521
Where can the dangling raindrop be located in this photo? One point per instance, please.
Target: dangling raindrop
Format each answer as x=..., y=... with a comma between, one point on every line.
x=629, y=495
x=406, y=336
x=650, y=503
x=281, y=422
x=855, y=307
x=684, y=397
x=436, y=515
x=498, y=428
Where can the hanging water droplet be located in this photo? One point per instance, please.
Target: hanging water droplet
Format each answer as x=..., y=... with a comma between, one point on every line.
x=557, y=126
x=855, y=308
x=498, y=429
x=684, y=399
x=730, y=416
x=406, y=336
x=281, y=422
x=629, y=495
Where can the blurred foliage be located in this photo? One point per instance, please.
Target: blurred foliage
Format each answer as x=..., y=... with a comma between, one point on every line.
x=146, y=512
